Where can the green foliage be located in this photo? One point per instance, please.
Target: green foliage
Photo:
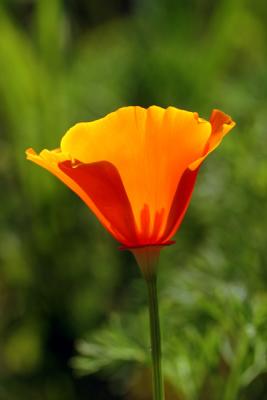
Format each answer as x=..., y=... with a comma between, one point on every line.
x=114, y=344
x=214, y=336
x=61, y=276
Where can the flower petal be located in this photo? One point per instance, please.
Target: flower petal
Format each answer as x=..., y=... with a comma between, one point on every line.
x=103, y=186
x=77, y=180
x=137, y=167
x=180, y=203
x=221, y=124
x=150, y=148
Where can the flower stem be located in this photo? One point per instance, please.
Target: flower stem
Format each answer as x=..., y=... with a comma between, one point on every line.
x=147, y=258
x=155, y=337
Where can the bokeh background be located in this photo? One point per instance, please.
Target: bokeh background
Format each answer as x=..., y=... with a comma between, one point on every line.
x=73, y=322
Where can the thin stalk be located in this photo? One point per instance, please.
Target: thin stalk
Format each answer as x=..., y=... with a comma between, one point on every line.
x=155, y=337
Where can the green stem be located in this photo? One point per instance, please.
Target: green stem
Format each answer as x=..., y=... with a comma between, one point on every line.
x=155, y=338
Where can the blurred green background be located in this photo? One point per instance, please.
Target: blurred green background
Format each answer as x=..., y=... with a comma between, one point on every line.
x=73, y=322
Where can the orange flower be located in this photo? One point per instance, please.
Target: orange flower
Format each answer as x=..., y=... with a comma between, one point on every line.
x=136, y=168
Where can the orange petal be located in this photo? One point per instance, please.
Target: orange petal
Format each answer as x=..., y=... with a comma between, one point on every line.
x=103, y=186
x=180, y=203
x=221, y=124
x=137, y=167
x=51, y=160
x=150, y=148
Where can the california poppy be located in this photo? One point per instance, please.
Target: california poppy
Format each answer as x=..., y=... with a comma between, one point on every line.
x=136, y=168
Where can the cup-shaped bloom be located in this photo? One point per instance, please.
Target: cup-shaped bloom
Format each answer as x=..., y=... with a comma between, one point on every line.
x=136, y=168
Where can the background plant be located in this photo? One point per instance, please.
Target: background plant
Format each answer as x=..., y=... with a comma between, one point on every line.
x=61, y=277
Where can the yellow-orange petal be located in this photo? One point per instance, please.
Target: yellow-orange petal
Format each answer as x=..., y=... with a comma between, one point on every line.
x=136, y=167
x=151, y=148
x=102, y=184
x=72, y=174
x=180, y=203
x=221, y=124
